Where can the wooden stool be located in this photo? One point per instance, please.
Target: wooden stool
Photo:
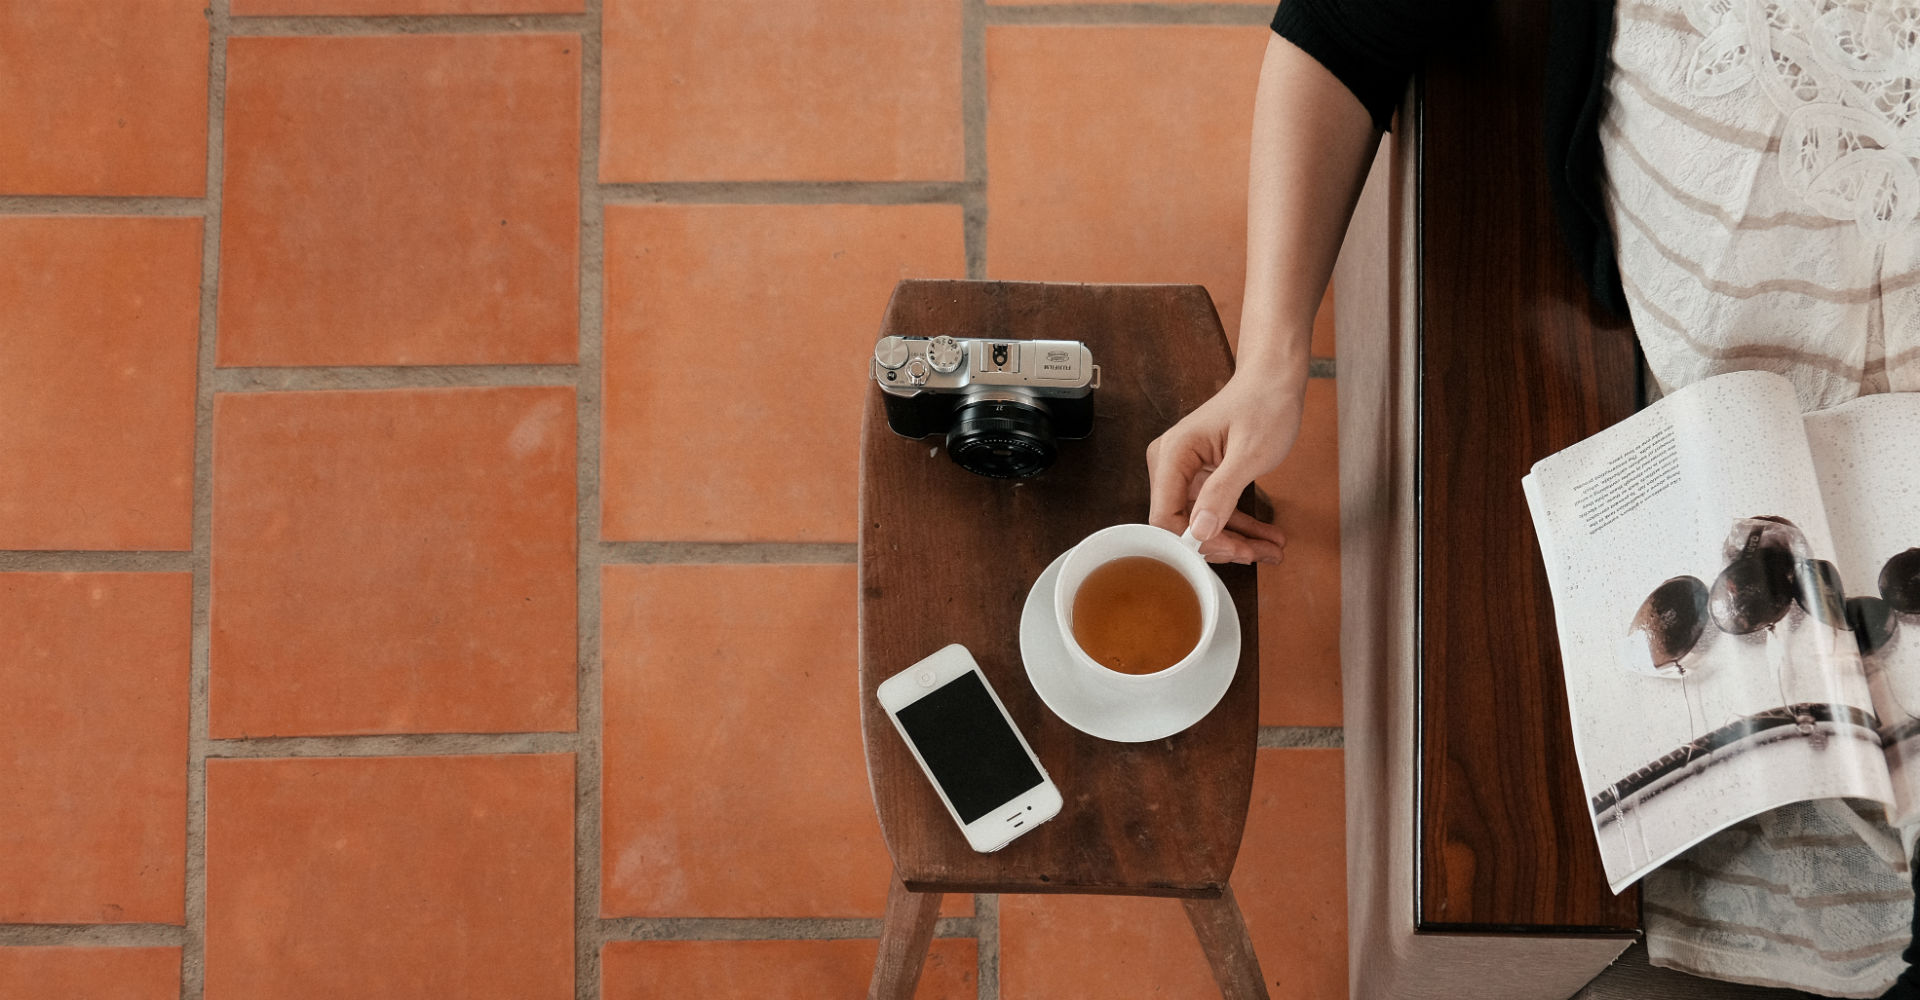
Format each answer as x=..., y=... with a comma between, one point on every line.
x=949, y=556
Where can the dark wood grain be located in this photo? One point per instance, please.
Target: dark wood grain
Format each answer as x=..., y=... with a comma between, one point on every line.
x=904, y=937
x=1223, y=936
x=948, y=556
x=1516, y=364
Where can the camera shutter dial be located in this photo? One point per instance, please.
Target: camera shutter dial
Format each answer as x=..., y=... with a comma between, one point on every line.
x=945, y=354
x=890, y=352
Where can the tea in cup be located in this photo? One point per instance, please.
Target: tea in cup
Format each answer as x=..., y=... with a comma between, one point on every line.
x=1135, y=602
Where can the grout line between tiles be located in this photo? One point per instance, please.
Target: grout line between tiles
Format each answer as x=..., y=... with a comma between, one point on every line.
x=790, y=192
x=74, y=561
x=390, y=745
x=986, y=922
x=1131, y=14
x=615, y=553
x=973, y=120
x=411, y=24
x=390, y=377
x=764, y=928
x=1301, y=737
x=92, y=935
x=193, y=973
x=587, y=936
x=99, y=205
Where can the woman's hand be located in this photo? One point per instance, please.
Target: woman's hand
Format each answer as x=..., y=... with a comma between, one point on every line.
x=1199, y=467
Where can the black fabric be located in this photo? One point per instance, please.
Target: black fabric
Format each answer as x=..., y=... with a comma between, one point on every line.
x=1373, y=46
x=1579, y=35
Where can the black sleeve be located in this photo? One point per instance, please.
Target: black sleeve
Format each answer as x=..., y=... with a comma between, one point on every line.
x=1372, y=46
x=1576, y=92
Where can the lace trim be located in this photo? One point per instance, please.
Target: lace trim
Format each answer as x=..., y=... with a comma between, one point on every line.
x=1846, y=75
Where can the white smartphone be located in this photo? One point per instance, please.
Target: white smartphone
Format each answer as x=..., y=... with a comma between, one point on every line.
x=982, y=768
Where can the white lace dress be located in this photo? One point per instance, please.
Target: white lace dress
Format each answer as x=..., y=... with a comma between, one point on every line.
x=1763, y=171
x=1764, y=162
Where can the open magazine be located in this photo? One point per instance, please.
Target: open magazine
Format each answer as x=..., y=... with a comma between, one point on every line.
x=1737, y=588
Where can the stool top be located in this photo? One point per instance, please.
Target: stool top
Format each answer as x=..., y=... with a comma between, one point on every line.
x=949, y=556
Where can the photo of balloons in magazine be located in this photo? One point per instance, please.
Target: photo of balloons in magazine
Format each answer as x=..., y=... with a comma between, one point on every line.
x=1736, y=590
x=1770, y=589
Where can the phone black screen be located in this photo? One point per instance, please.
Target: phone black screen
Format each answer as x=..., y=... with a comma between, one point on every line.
x=968, y=746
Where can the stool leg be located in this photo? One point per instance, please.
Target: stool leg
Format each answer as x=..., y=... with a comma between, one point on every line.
x=904, y=938
x=1223, y=936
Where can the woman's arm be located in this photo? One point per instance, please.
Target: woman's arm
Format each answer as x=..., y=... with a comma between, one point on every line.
x=1312, y=143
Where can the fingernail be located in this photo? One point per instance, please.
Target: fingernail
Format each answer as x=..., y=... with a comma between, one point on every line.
x=1206, y=524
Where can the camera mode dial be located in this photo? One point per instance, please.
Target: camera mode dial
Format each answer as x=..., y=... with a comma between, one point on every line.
x=945, y=354
x=890, y=352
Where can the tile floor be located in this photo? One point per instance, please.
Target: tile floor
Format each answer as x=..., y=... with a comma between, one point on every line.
x=395, y=491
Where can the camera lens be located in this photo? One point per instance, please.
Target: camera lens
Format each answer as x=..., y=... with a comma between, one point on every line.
x=1002, y=437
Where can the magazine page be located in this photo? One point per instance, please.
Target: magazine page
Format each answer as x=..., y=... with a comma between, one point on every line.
x=1869, y=472
x=1702, y=691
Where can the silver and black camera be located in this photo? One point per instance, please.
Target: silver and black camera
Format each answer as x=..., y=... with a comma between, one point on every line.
x=1001, y=403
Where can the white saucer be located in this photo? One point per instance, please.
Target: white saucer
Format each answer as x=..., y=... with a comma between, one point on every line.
x=1154, y=713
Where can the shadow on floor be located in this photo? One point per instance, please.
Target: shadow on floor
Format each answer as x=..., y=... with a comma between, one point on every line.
x=1631, y=978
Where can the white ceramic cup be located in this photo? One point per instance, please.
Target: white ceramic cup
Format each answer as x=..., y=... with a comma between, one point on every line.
x=1119, y=541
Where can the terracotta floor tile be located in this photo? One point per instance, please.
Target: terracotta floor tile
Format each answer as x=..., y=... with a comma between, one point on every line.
x=1114, y=947
x=390, y=877
x=790, y=293
x=1290, y=881
x=401, y=200
x=377, y=8
x=97, y=362
x=1300, y=598
x=103, y=99
x=395, y=561
x=93, y=747
x=89, y=973
x=740, y=970
x=1101, y=172
x=799, y=90
x=1322, y=345
x=1292, y=876
x=733, y=776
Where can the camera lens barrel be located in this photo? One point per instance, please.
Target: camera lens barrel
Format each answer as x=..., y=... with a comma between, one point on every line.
x=1003, y=435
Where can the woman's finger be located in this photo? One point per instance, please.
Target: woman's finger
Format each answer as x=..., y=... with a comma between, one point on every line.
x=1171, y=465
x=1252, y=527
x=1230, y=546
x=1239, y=520
x=1261, y=550
x=1214, y=505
